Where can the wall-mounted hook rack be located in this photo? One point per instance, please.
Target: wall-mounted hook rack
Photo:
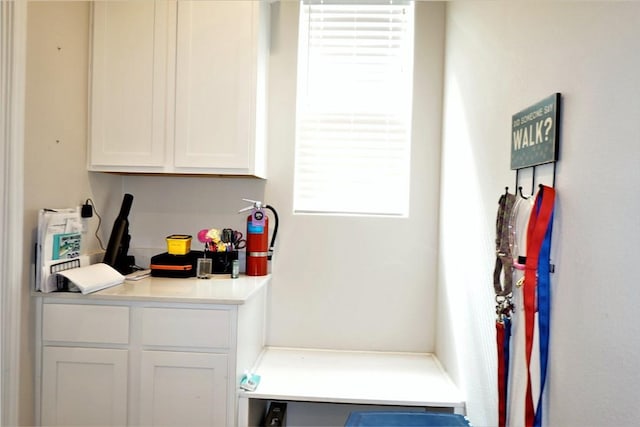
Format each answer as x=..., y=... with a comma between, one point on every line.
x=533, y=180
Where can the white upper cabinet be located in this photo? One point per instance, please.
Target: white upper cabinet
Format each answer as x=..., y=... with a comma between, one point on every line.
x=217, y=84
x=179, y=87
x=129, y=86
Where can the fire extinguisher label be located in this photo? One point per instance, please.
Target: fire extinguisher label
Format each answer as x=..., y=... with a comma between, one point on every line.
x=257, y=222
x=255, y=229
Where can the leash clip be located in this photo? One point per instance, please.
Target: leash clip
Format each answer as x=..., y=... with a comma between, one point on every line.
x=504, y=307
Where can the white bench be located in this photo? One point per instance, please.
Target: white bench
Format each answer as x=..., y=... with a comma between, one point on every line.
x=415, y=380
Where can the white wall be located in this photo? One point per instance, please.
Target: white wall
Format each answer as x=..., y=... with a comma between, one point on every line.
x=354, y=282
x=500, y=58
x=55, y=172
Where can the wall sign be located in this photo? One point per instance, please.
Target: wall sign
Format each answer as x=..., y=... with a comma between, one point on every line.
x=535, y=134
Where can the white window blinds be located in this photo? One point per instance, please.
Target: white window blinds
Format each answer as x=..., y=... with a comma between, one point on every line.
x=355, y=83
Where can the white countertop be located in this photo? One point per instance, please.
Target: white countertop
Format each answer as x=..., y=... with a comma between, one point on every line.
x=378, y=378
x=219, y=289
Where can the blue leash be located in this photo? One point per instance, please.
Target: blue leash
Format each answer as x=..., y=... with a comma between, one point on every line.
x=544, y=313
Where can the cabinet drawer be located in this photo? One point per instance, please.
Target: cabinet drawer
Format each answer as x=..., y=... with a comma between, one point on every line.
x=186, y=327
x=85, y=323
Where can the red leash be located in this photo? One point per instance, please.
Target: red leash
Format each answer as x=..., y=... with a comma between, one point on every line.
x=503, y=335
x=538, y=223
x=502, y=403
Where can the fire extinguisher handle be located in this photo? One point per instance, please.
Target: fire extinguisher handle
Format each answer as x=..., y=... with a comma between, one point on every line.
x=275, y=230
x=255, y=204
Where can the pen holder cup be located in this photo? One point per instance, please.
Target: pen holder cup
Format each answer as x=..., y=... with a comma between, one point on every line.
x=222, y=261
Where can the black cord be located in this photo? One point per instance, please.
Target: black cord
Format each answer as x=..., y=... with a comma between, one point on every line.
x=99, y=222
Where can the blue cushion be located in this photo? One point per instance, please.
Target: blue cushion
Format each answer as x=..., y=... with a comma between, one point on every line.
x=405, y=419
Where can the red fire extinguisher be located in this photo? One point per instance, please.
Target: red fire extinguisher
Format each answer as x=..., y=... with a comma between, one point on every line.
x=259, y=251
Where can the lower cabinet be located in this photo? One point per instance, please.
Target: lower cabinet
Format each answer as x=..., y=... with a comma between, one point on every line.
x=183, y=389
x=118, y=363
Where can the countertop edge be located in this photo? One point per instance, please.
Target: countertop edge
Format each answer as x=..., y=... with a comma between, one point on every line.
x=251, y=286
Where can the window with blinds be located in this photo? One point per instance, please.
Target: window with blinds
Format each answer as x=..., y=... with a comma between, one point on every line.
x=353, y=123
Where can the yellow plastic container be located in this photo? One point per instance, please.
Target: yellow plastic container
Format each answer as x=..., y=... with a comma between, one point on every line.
x=179, y=244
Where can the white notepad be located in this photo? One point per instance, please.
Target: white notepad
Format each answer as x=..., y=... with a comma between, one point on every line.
x=93, y=277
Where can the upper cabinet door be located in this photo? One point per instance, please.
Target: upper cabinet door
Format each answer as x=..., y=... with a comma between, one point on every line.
x=129, y=84
x=220, y=69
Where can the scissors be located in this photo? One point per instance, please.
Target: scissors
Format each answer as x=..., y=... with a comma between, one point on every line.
x=234, y=237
